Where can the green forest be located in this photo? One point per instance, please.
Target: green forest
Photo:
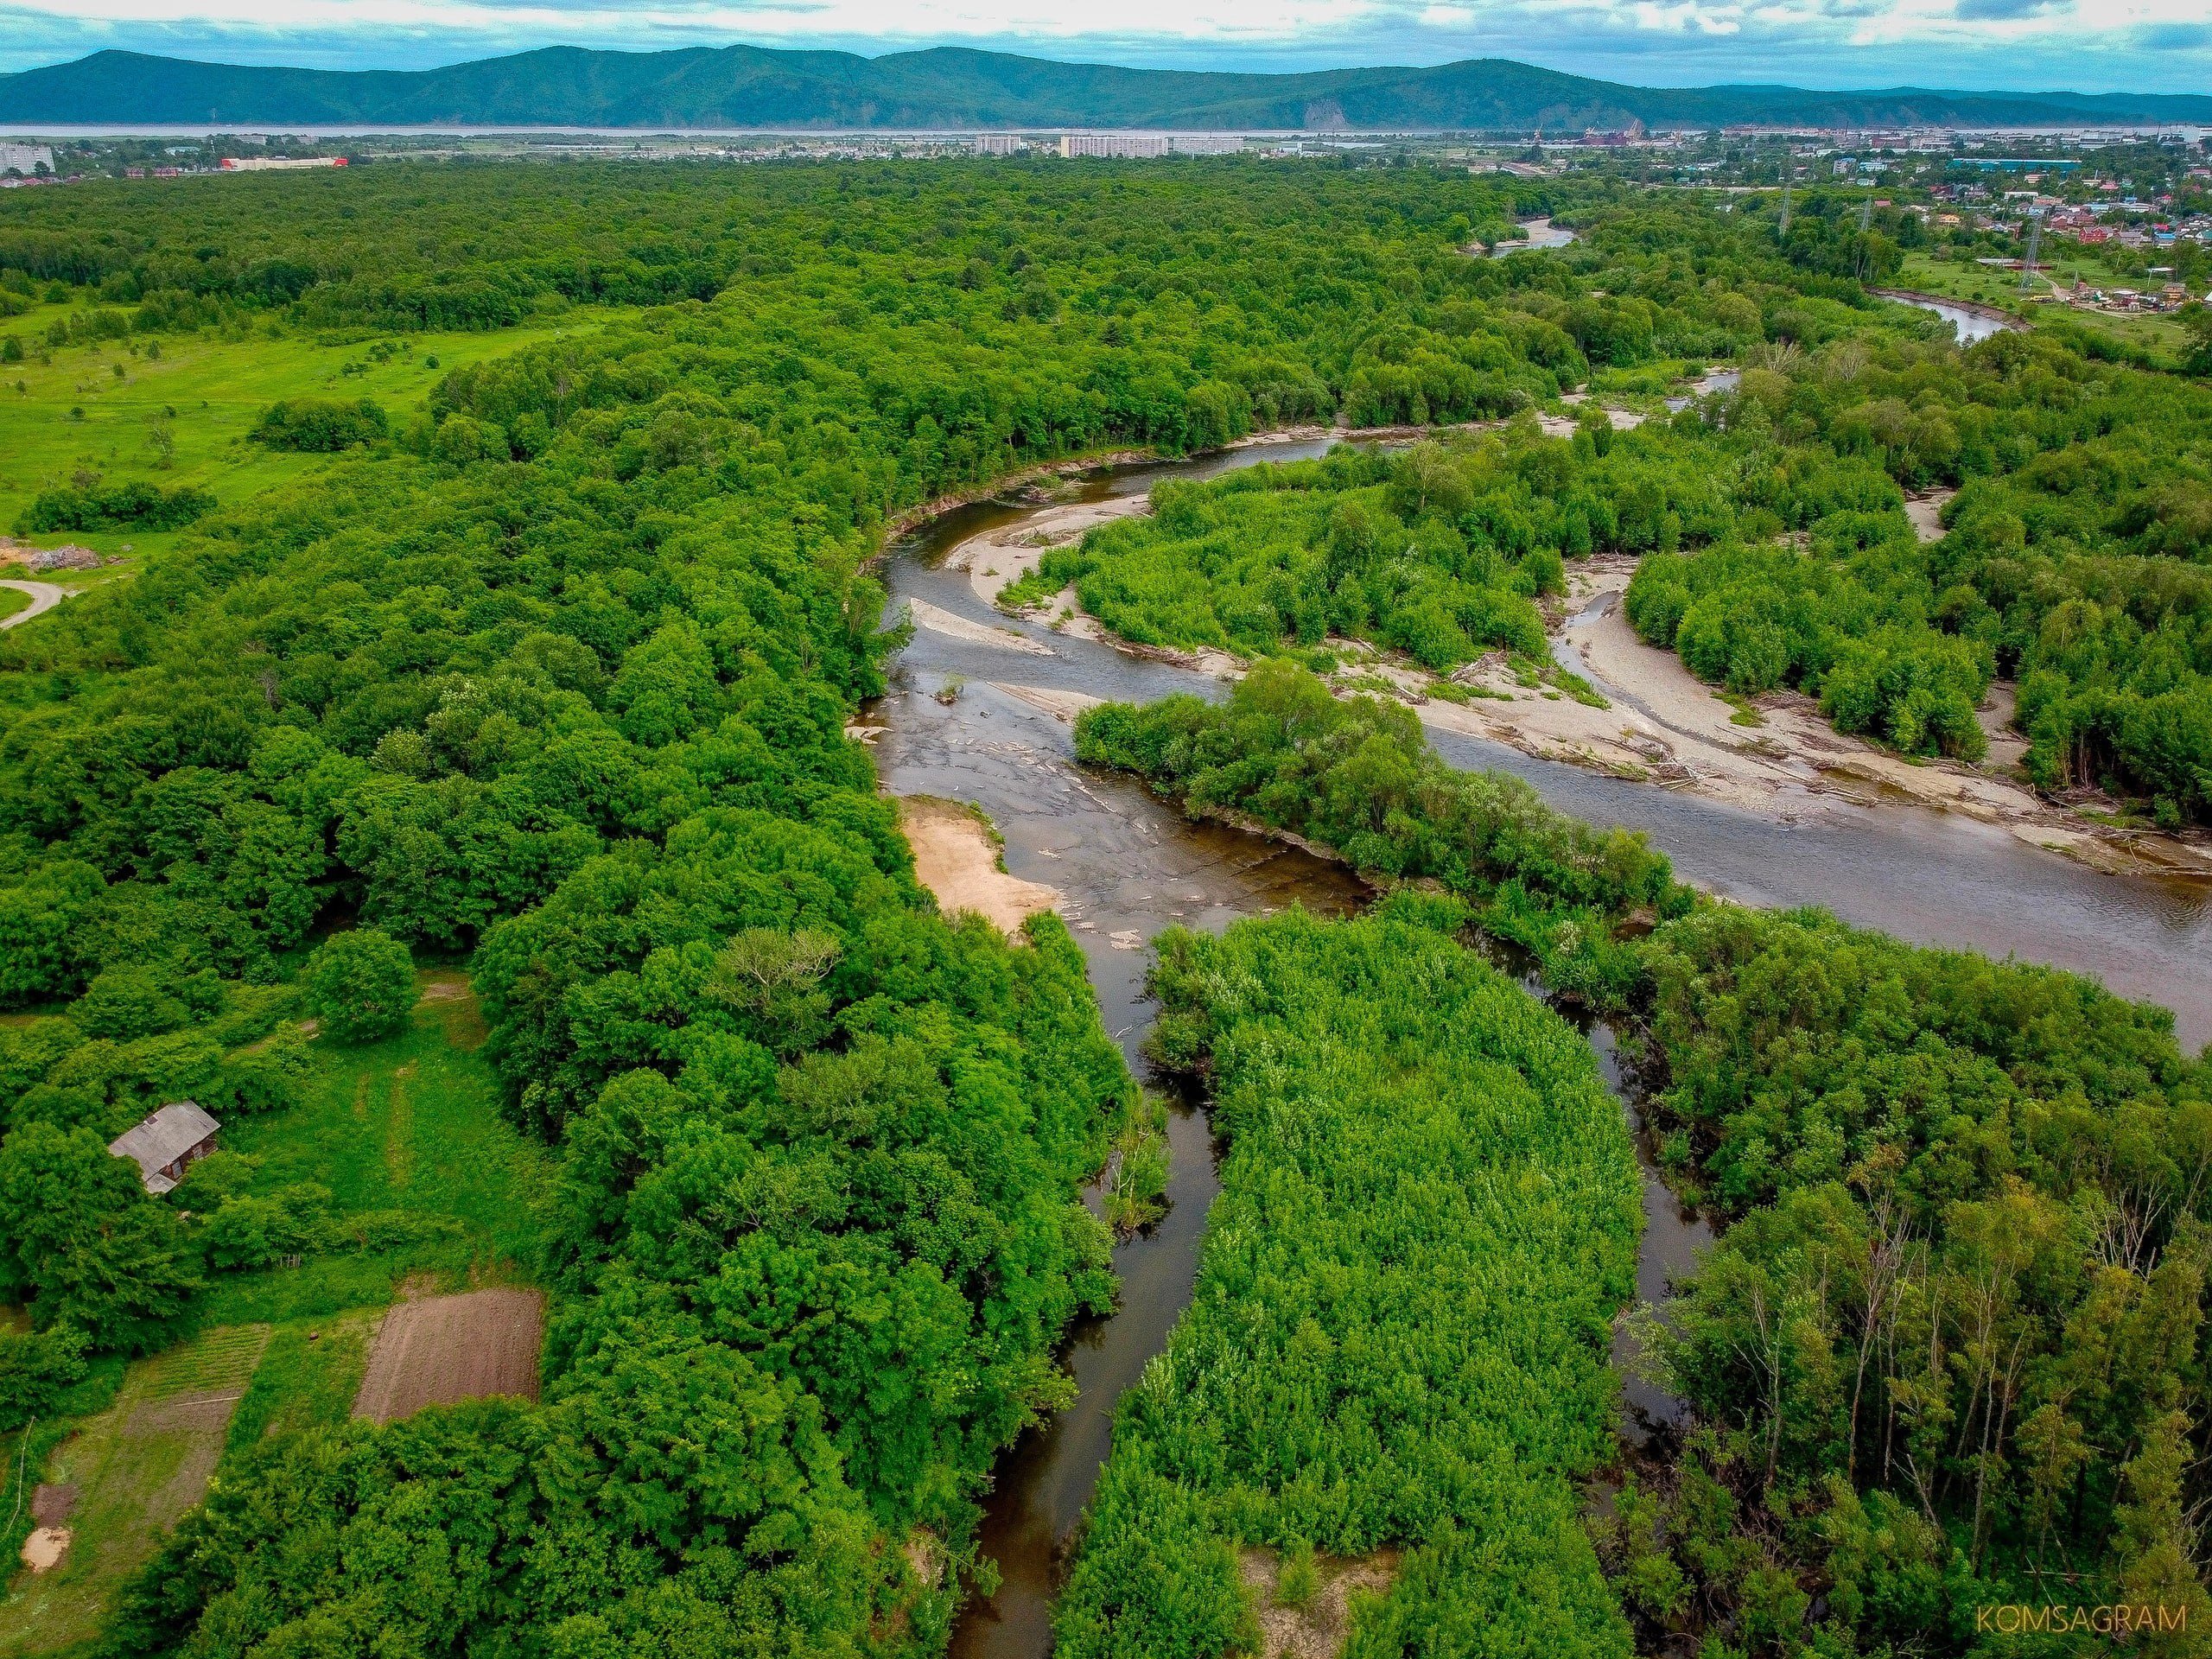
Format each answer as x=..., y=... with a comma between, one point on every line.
x=1944, y=1352
x=1768, y=517
x=464, y=740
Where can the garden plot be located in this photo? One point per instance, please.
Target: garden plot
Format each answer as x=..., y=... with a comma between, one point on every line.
x=112, y=1489
x=442, y=1349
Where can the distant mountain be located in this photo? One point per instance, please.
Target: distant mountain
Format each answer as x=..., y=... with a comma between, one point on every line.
x=950, y=87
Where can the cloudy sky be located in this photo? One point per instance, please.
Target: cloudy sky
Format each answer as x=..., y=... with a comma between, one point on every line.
x=2082, y=45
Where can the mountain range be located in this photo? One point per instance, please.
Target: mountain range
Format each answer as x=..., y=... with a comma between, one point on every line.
x=954, y=88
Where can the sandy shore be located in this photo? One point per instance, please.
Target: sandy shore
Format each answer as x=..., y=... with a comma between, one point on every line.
x=997, y=557
x=938, y=621
x=957, y=859
x=1669, y=727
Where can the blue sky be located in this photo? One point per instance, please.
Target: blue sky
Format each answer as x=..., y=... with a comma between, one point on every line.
x=2082, y=45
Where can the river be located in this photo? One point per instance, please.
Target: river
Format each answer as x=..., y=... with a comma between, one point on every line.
x=1969, y=326
x=1536, y=234
x=1127, y=867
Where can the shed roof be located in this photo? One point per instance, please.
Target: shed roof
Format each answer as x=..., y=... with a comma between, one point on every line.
x=161, y=1139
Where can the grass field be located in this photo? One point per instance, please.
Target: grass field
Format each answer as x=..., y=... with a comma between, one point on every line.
x=78, y=414
x=409, y=1123
x=135, y=1468
x=1991, y=286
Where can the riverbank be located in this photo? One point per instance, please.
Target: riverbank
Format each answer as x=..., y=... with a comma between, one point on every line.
x=958, y=861
x=1658, y=724
x=1769, y=753
x=1971, y=307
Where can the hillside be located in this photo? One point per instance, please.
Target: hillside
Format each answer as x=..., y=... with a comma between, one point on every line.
x=949, y=87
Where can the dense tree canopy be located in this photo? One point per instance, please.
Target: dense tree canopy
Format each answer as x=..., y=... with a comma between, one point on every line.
x=1427, y=1219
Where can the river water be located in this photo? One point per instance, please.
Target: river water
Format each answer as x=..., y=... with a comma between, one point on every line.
x=1128, y=867
x=1537, y=234
x=1968, y=326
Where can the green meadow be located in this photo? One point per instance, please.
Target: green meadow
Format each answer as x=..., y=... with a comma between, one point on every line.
x=112, y=409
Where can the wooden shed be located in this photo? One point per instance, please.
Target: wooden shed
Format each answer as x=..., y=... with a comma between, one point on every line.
x=164, y=1145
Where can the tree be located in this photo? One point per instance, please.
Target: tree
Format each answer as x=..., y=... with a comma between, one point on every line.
x=83, y=1243
x=360, y=984
x=2197, y=321
x=2157, y=1539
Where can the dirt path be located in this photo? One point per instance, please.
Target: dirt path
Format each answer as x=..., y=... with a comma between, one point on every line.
x=957, y=859
x=44, y=597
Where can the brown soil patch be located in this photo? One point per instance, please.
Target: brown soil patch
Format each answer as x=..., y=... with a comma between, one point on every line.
x=955, y=860
x=1317, y=1629
x=445, y=1349
x=44, y=1549
x=52, y=1505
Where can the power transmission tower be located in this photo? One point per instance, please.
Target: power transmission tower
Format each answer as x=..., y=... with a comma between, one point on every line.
x=1860, y=262
x=1785, y=210
x=2035, y=245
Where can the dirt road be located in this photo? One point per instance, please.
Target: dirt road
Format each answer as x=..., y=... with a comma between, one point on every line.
x=44, y=597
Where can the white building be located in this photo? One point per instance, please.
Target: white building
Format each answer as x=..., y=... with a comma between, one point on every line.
x=26, y=159
x=1127, y=146
x=1000, y=144
x=1121, y=146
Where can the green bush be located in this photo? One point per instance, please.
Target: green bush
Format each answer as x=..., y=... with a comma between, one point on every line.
x=360, y=984
x=122, y=506
x=321, y=426
x=1355, y=775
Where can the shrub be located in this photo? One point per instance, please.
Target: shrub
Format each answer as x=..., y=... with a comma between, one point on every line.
x=360, y=985
x=126, y=506
x=321, y=426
